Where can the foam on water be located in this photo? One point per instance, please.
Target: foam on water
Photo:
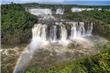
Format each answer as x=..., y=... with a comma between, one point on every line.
x=39, y=39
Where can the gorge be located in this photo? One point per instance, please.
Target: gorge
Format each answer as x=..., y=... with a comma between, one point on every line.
x=42, y=38
x=57, y=38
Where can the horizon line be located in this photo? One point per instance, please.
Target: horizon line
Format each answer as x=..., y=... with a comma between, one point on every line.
x=66, y=2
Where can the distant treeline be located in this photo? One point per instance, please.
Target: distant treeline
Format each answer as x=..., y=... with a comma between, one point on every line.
x=65, y=6
x=16, y=24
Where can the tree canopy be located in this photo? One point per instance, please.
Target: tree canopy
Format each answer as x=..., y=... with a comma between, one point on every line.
x=16, y=24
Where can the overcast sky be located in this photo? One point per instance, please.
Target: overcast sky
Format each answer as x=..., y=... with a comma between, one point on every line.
x=45, y=1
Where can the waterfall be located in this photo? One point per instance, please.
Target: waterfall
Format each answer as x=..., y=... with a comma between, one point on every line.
x=39, y=38
x=63, y=32
x=76, y=30
x=36, y=31
x=81, y=31
x=89, y=29
x=53, y=33
x=73, y=30
x=60, y=11
x=43, y=35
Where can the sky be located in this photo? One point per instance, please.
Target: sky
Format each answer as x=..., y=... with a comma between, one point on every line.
x=54, y=1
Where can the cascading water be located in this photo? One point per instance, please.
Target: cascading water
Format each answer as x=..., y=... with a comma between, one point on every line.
x=73, y=31
x=77, y=31
x=81, y=30
x=60, y=11
x=43, y=35
x=54, y=33
x=29, y=51
x=63, y=32
x=36, y=31
x=39, y=35
x=89, y=29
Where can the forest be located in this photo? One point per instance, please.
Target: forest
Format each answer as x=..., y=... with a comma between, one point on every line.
x=16, y=24
x=16, y=27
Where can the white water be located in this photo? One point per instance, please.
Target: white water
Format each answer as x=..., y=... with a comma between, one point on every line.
x=73, y=31
x=81, y=29
x=90, y=28
x=63, y=32
x=43, y=35
x=77, y=31
x=39, y=35
x=54, y=33
x=36, y=31
x=60, y=11
x=26, y=56
x=40, y=11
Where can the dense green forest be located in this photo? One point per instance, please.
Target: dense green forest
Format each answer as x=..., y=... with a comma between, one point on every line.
x=99, y=63
x=16, y=24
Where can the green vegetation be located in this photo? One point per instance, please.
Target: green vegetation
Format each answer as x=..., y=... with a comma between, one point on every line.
x=101, y=20
x=99, y=63
x=103, y=16
x=64, y=5
x=16, y=29
x=16, y=24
